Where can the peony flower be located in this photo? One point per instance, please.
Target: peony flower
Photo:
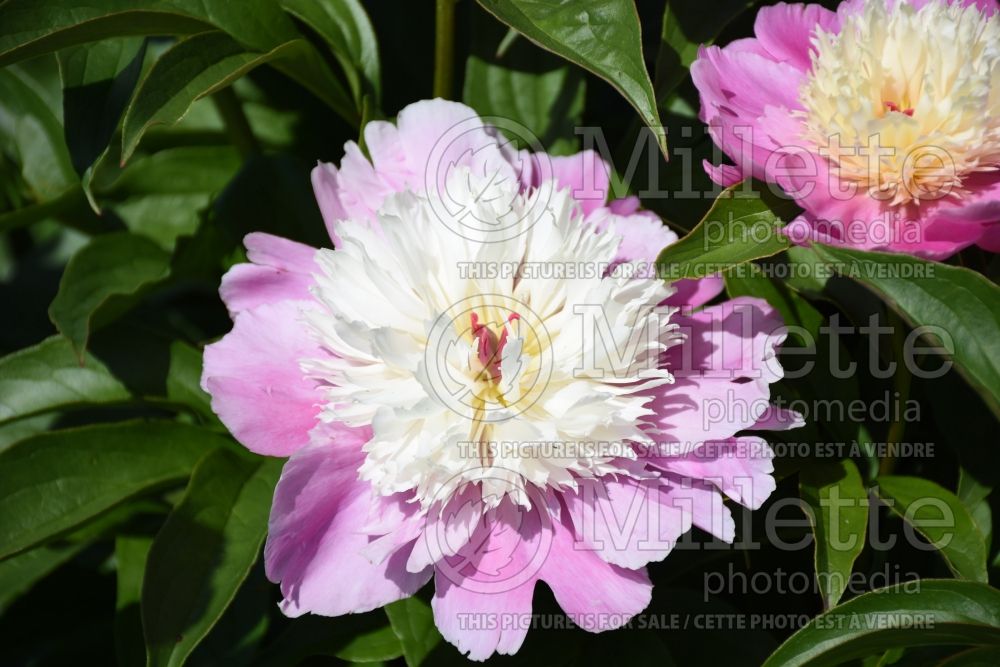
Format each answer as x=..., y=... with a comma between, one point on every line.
x=882, y=120
x=482, y=385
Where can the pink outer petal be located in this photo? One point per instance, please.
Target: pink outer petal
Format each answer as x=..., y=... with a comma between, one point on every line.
x=739, y=467
x=643, y=234
x=786, y=30
x=326, y=187
x=316, y=538
x=991, y=239
x=704, y=504
x=430, y=138
x=735, y=339
x=778, y=419
x=586, y=174
x=694, y=410
x=482, y=597
x=736, y=89
x=743, y=83
x=723, y=373
x=257, y=388
x=626, y=522
x=281, y=270
x=598, y=596
x=724, y=175
x=695, y=293
x=447, y=530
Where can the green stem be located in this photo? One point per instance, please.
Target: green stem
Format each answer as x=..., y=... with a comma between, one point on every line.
x=237, y=125
x=444, y=48
x=902, y=383
x=23, y=217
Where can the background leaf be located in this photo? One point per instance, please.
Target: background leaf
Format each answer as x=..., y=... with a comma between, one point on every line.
x=204, y=551
x=349, y=34
x=963, y=303
x=413, y=622
x=736, y=230
x=602, y=36
x=839, y=503
x=106, y=275
x=945, y=522
x=549, y=103
x=54, y=481
x=686, y=25
x=98, y=80
x=960, y=613
x=34, y=136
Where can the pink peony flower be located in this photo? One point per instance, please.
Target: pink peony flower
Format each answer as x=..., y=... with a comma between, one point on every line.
x=482, y=386
x=882, y=120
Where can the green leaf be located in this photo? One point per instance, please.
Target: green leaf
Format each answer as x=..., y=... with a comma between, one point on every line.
x=123, y=366
x=130, y=559
x=235, y=638
x=602, y=36
x=686, y=25
x=197, y=66
x=34, y=137
x=960, y=302
x=372, y=646
x=103, y=279
x=34, y=27
x=987, y=656
x=839, y=503
x=49, y=376
x=364, y=637
x=348, y=32
x=736, y=230
x=22, y=571
x=941, y=517
x=204, y=551
x=549, y=103
x=974, y=495
x=413, y=622
x=162, y=195
x=928, y=612
x=54, y=481
x=15, y=431
x=98, y=80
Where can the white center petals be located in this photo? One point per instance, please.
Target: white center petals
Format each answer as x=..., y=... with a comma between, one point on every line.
x=469, y=370
x=925, y=82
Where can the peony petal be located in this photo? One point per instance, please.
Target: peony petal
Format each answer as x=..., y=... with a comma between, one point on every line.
x=482, y=598
x=326, y=187
x=586, y=174
x=705, y=505
x=627, y=522
x=735, y=339
x=739, y=467
x=315, y=546
x=281, y=270
x=257, y=387
x=610, y=596
x=786, y=31
x=695, y=293
x=724, y=175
